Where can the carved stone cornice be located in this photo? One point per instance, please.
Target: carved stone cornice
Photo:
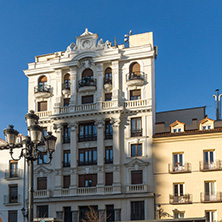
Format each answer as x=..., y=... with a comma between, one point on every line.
x=115, y=122
x=100, y=123
x=57, y=127
x=73, y=126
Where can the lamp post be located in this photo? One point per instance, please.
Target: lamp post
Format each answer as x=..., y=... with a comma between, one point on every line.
x=30, y=150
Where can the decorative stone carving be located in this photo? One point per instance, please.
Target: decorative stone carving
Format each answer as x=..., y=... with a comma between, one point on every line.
x=86, y=32
x=100, y=44
x=73, y=171
x=108, y=44
x=100, y=123
x=115, y=122
x=57, y=127
x=136, y=163
x=73, y=126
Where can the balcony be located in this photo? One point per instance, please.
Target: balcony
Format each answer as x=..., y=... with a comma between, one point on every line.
x=107, y=84
x=108, y=161
x=66, y=164
x=12, y=200
x=136, y=188
x=91, y=137
x=86, y=190
x=13, y=175
x=186, y=168
x=108, y=136
x=212, y=166
x=211, y=198
x=87, y=84
x=137, y=132
x=66, y=88
x=185, y=199
x=87, y=163
x=42, y=91
x=42, y=193
x=135, y=78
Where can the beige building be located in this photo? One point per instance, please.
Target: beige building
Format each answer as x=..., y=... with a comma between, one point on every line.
x=99, y=101
x=187, y=159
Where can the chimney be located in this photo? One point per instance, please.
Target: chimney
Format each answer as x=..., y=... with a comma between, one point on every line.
x=218, y=104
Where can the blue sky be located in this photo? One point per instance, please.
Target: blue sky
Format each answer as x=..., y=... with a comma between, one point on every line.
x=187, y=32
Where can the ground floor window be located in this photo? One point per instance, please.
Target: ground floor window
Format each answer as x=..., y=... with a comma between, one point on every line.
x=137, y=210
x=12, y=216
x=88, y=213
x=42, y=211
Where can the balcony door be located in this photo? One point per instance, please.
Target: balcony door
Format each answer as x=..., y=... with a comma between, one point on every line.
x=211, y=216
x=178, y=162
x=210, y=191
x=209, y=159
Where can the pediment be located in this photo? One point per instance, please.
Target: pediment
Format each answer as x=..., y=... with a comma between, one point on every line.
x=136, y=161
x=42, y=170
x=206, y=120
x=176, y=123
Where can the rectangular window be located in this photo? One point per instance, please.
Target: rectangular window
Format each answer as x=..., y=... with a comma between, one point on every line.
x=109, y=154
x=44, y=133
x=66, y=134
x=178, y=214
x=135, y=94
x=66, y=181
x=87, y=156
x=110, y=213
x=66, y=158
x=12, y=216
x=87, y=99
x=178, y=159
x=13, y=165
x=137, y=210
x=42, y=106
x=43, y=158
x=89, y=180
x=67, y=214
x=209, y=159
x=84, y=210
x=13, y=193
x=66, y=102
x=109, y=179
x=136, y=177
x=210, y=191
x=136, y=127
x=136, y=150
x=179, y=190
x=108, y=130
x=42, y=183
x=42, y=211
x=211, y=216
x=108, y=96
x=87, y=132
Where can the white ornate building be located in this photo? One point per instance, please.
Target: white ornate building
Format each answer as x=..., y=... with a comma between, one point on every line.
x=99, y=100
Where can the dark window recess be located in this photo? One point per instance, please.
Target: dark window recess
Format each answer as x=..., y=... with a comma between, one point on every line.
x=66, y=84
x=137, y=177
x=87, y=73
x=108, y=76
x=136, y=127
x=108, y=96
x=42, y=106
x=43, y=158
x=87, y=99
x=66, y=158
x=66, y=134
x=44, y=133
x=109, y=154
x=135, y=67
x=108, y=130
x=89, y=180
x=110, y=216
x=66, y=181
x=12, y=216
x=42, y=183
x=87, y=132
x=137, y=210
x=13, y=193
x=66, y=101
x=87, y=156
x=84, y=210
x=109, y=179
x=136, y=150
x=42, y=211
x=13, y=165
x=67, y=214
x=135, y=94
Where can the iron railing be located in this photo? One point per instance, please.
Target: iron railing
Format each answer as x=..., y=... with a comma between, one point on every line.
x=87, y=81
x=216, y=165
x=107, y=81
x=137, y=132
x=42, y=88
x=86, y=163
x=185, y=199
x=12, y=173
x=90, y=137
x=12, y=199
x=186, y=168
x=66, y=85
x=137, y=75
x=211, y=197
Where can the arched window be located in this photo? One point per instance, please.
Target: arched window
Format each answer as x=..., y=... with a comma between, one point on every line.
x=42, y=83
x=108, y=76
x=66, y=81
x=87, y=73
x=135, y=69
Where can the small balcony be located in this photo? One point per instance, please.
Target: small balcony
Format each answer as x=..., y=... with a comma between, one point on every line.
x=211, y=166
x=42, y=193
x=13, y=174
x=186, y=168
x=66, y=88
x=42, y=91
x=87, y=163
x=107, y=84
x=135, y=78
x=66, y=164
x=108, y=161
x=137, y=188
x=12, y=199
x=87, y=84
x=90, y=137
x=108, y=136
x=86, y=190
x=137, y=132
x=185, y=199
x=211, y=197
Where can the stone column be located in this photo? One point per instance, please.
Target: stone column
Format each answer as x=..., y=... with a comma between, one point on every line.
x=73, y=86
x=100, y=155
x=58, y=88
x=57, y=159
x=99, y=92
x=116, y=155
x=116, y=83
x=73, y=154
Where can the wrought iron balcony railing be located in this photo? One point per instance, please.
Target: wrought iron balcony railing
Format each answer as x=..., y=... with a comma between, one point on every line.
x=91, y=137
x=87, y=81
x=138, y=75
x=108, y=136
x=211, y=197
x=12, y=199
x=42, y=88
x=13, y=174
x=186, y=168
x=185, y=199
x=107, y=81
x=137, y=132
x=216, y=165
x=86, y=163
x=66, y=164
x=66, y=85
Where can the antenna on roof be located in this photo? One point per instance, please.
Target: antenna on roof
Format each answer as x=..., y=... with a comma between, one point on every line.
x=218, y=104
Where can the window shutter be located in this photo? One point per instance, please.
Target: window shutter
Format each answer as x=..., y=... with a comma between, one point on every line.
x=109, y=179
x=87, y=99
x=66, y=181
x=137, y=177
x=42, y=183
x=42, y=106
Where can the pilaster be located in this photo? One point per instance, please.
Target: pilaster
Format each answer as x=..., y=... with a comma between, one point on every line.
x=73, y=86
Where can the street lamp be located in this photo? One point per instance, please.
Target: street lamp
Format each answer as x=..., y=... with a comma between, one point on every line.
x=29, y=150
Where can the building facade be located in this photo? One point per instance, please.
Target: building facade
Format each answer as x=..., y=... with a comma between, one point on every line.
x=187, y=160
x=99, y=101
